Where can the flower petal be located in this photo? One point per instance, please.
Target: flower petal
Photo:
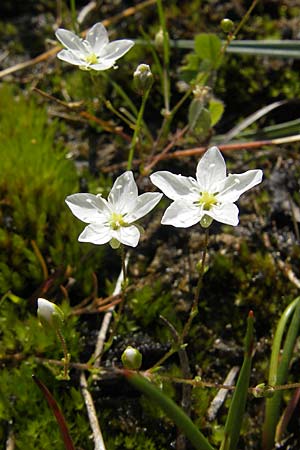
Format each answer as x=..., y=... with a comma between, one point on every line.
x=70, y=40
x=143, y=205
x=71, y=58
x=96, y=234
x=88, y=207
x=182, y=214
x=97, y=37
x=227, y=213
x=175, y=186
x=236, y=185
x=211, y=169
x=123, y=194
x=116, y=49
x=127, y=235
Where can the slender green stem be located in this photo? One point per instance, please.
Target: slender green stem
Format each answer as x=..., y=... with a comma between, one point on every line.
x=122, y=93
x=166, y=356
x=166, y=55
x=245, y=17
x=74, y=15
x=121, y=116
x=129, y=103
x=194, y=309
x=65, y=351
x=123, y=295
x=137, y=129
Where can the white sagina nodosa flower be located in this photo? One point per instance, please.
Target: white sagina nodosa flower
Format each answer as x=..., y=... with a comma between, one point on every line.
x=95, y=52
x=113, y=220
x=210, y=197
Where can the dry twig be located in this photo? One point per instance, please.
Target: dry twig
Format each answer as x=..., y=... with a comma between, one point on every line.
x=88, y=400
x=106, y=322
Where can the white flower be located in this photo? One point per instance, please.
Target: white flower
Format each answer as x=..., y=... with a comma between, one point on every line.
x=49, y=313
x=95, y=52
x=210, y=197
x=112, y=220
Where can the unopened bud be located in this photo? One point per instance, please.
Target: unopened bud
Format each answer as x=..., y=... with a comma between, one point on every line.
x=142, y=78
x=159, y=40
x=263, y=390
x=49, y=313
x=131, y=358
x=227, y=25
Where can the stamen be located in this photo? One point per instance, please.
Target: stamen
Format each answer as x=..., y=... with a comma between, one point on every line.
x=207, y=200
x=116, y=221
x=92, y=58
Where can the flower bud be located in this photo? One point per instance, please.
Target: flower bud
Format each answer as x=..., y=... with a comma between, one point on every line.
x=49, y=313
x=263, y=390
x=142, y=78
x=131, y=358
x=159, y=40
x=227, y=25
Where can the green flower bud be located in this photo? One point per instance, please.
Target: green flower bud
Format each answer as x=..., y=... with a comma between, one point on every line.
x=131, y=358
x=263, y=390
x=142, y=78
x=49, y=313
x=227, y=25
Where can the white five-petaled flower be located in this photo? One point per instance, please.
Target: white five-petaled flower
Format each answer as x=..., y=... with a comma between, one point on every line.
x=95, y=52
x=210, y=197
x=113, y=220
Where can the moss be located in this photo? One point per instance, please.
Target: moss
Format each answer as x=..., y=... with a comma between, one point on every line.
x=35, y=222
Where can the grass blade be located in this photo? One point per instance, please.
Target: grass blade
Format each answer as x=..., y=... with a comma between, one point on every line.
x=278, y=371
x=170, y=408
x=237, y=407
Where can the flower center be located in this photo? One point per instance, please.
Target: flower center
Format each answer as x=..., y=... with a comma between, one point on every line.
x=207, y=200
x=116, y=221
x=92, y=58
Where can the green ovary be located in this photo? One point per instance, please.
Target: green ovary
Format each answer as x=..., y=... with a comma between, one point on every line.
x=117, y=221
x=207, y=200
x=92, y=58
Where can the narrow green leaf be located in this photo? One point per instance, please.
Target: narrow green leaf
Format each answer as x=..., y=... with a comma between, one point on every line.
x=238, y=403
x=278, y=371
x=173, y=411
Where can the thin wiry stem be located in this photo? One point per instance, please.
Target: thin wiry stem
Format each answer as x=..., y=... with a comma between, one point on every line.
x=137, y=129
x=65, y=350
x=194, y=308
